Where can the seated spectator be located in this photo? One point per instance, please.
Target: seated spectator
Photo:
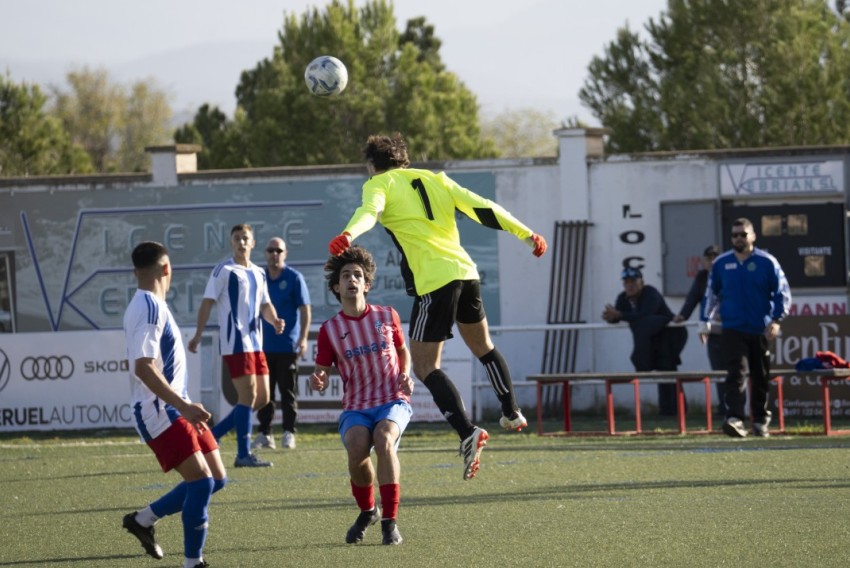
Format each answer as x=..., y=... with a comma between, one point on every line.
x=656, y=346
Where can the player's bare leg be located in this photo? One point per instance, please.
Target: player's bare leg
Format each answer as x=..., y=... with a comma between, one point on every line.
x=477, y=338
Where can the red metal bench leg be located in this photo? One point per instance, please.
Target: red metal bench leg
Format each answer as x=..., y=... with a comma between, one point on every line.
x=609, y=406
x=568, y=404
x=638, y=426
x=680, y=406
x=707, y=382
x=827, y=414
x=539, y=408
x=780, y=400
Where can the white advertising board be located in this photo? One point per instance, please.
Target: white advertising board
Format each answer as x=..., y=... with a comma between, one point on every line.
x=69, y=381
x=809, y=177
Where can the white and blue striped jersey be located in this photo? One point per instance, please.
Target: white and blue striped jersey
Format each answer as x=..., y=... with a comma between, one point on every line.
x=239, y=292
x=150, y=332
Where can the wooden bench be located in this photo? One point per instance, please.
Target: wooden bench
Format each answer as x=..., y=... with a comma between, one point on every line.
x=635, y=379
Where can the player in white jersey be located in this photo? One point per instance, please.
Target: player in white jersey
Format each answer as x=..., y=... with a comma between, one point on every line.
x=366, y=344
x=172, y=425
x=238, y=288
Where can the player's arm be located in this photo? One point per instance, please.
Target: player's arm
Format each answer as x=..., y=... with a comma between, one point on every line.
x=405, y=381
x=363, y=219
x=270, y=315
x=145, y=368
x=204, y=311
x=492, y=215
x=305, y=317
x=403, y=358
x=320, y=378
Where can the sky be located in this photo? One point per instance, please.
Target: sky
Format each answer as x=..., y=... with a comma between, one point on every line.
x=513, y=54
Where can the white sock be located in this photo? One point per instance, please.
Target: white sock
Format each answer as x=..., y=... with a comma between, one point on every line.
x=192, y=562
x=146, y=518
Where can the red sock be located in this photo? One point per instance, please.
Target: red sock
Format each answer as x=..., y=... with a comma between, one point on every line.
x=365, y=496
x=390, y=494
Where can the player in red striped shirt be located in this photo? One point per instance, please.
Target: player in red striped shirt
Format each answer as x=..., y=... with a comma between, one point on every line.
x=366, y=344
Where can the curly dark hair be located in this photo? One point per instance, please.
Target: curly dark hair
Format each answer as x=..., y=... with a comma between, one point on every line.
x=354, y=255
x=385, y=152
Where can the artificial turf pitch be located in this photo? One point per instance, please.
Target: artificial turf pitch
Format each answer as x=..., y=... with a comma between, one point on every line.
x=581, y=501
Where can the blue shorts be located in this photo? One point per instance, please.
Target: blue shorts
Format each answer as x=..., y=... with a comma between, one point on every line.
x=398, y=411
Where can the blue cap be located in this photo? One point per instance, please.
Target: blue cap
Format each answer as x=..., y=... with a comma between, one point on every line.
x=631, y=273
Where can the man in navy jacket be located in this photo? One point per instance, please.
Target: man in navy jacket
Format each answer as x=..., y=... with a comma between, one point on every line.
x=656, y=345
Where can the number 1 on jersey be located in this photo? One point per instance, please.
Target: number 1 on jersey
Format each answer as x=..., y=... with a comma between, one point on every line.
x=426, y=203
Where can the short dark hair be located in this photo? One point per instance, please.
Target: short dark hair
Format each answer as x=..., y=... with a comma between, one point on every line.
x=148, y=254
x=744, y=222
x=354, y=255
x=241, y=227
x=385, y=152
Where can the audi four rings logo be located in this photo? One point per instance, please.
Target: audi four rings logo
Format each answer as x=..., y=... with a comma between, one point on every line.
x=47, y=368
x=5, y=366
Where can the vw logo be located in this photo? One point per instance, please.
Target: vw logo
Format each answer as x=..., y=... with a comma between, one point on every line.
x=5, y=369
x=51, y=367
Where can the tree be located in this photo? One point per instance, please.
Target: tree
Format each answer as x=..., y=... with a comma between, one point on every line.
x=396, y=83
x=112, y=122
x=146, y=122
x=31, y=141
x=522, y=133
x=220, y=138
x=421, y=34
x=726, y=74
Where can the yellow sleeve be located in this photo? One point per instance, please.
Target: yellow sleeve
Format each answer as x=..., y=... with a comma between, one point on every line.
x=365, y=216
x=483, y=211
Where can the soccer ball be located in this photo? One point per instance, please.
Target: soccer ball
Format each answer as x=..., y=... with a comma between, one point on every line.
x=326, y=76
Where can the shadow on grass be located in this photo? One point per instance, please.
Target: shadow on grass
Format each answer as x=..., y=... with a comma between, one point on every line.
x=552, y=492
x=81, y=560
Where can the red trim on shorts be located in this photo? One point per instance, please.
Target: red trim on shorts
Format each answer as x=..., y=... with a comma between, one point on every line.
x=241, y=364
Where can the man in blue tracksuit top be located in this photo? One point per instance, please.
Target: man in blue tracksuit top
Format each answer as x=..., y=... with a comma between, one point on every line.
x=753, y=297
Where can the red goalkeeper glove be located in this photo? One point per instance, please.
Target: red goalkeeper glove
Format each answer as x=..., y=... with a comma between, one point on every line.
x=339, y=244
x=538, y=243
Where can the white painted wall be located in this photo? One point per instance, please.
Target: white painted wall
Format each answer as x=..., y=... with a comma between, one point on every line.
x=626, y=196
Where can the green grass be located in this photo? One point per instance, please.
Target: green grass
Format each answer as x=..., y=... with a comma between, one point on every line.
x=581, y=501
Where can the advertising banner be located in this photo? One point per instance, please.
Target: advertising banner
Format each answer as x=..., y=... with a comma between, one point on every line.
x=69, y=381
x=803, y=337
x=771, y=178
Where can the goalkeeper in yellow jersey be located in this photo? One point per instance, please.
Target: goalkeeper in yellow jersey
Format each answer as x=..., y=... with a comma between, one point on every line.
x=417, y=207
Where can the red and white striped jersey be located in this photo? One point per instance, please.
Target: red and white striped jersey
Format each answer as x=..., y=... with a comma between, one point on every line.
x=364, y=351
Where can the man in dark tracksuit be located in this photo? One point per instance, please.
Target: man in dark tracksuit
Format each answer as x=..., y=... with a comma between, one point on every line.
x=753, y=297
x=696, y=297
x=656, y=346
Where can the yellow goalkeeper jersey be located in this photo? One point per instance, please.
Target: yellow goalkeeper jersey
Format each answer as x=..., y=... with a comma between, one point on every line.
x=417, y=208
